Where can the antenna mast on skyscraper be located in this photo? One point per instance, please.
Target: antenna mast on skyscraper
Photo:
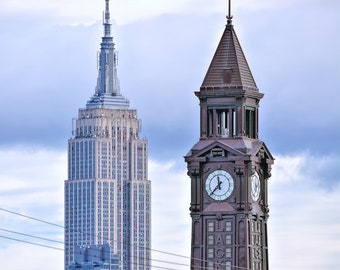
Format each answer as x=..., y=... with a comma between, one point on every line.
x=106, y=19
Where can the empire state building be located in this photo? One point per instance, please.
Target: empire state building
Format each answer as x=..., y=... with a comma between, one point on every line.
x=107, y=193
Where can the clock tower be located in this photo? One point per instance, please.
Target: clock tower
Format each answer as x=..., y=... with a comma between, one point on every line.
x=229, y=166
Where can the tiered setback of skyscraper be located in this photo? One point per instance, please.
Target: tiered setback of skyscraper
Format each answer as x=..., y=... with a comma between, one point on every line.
x=107, y=193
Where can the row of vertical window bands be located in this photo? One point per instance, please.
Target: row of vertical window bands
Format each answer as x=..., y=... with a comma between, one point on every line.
x=83, y=150
x=104, y=172
x=81, y=220
x=87, y=148
x=104, y=132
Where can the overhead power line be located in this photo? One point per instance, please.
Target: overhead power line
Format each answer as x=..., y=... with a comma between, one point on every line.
x=57, y=225
x=32, y=218
x=31, y=243
x=32, y=236
x=63, y=227
x=60, y=249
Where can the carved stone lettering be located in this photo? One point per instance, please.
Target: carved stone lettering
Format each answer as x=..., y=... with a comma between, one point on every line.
x=219, y=253
x=219, y=240
x=219, y=264
x=220, y=226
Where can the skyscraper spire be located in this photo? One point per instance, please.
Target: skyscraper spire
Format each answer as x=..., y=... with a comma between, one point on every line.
x=107, y=93
x=106, y=21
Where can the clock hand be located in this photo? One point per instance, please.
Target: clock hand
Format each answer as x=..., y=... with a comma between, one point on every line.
x=212, y=192
x=218, y=186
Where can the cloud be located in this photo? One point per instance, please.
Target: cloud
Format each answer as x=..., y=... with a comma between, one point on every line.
x=294, y=73
x=49, y=71
x=31, y=183
x=303, y=213
x=162, y=61
x=321, y=170
x=23, y=256
x=42, y=85
x=170, y=212
x=86, y=12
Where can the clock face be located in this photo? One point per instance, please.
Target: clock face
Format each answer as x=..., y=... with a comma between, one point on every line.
x=255, y=186
x=219, y=185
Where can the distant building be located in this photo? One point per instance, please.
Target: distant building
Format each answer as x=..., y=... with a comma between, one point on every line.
x=107, y=193
x=94, y=257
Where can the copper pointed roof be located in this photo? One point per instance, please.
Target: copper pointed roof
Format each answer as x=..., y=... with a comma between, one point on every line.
x=229, y=67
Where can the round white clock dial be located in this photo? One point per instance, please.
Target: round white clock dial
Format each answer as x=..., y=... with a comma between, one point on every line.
x=219, y=185
x=255, y=186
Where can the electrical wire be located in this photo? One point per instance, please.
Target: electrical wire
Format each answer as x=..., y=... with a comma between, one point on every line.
x=32, y=218
x=151, y=266
x=32, y=236
x=31, y=243
x=57, y=225
x=60, y=249
x=63, y=227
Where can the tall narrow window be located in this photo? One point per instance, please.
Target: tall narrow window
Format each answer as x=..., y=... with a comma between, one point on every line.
x=228, y=253
x=250, y=122
x=228, y=226
x=210, y=239
x=211, y=226
x=222, y=123
x=234, y=122
x=228, y=239
x=210, y=253
x=210, y=125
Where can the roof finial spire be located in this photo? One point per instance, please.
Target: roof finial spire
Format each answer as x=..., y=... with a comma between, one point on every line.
x=229, y=16
x=107, y=25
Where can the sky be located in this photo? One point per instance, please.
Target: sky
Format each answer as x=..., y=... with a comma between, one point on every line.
x=48, y=53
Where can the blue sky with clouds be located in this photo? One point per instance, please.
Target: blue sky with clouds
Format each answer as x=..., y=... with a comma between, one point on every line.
x=48, y=54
